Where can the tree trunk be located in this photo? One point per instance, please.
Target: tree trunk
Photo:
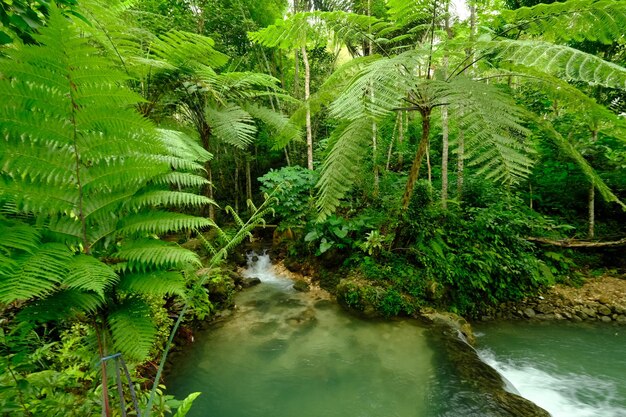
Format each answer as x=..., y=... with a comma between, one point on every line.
x=106, y=407
x=401, y=138
x=430, y=169
x=459, y=165
x=209, y=189
x=592, y=212
x=444, y=157
x=248, y=179
x=307, y=94
x=419, y=155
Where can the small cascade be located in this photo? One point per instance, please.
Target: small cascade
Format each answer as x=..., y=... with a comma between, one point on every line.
x=260, y=266
x=568, y=395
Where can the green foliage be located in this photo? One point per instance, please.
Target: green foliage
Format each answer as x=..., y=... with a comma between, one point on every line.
x=80, y=164
x=573, y=20
x=293, y=187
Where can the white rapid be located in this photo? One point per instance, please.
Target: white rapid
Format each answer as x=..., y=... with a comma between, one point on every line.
x=260, y=266
x=562, y=395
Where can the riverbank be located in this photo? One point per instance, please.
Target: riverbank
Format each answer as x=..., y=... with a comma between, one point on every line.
x=600, y=298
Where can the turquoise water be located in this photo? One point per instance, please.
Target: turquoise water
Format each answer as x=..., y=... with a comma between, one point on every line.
x=571, y=370
x=288, y=354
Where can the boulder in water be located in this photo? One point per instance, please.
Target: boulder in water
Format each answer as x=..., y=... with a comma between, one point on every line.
x=250, y=282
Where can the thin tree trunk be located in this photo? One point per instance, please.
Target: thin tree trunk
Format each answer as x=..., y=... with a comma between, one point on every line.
x=592, y=211
x=374, y=126
x=459, y=165
x=106, y=407
x=419, y=155
x=445, y=150
x=393, y=138
x=445, y=133
x=248, y=179
x=209, y=189
x=236, y=185
x=307, y=94
x=430, y=169
x=592, y=195
x=401, y=138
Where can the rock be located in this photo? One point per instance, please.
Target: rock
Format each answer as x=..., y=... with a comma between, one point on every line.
x=301, y=286
x=529, y=312
x=577, y=318
x=604, y=310
x=606, y=319
x=604, y=300
x=254, y=258
x=588, y=312
x=621, y=319
x=250, y=282
x=545, y=308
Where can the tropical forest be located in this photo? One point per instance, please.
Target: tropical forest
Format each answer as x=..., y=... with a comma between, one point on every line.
x=313, y=208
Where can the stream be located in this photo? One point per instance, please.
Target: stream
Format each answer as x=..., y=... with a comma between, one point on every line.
x=288, y=354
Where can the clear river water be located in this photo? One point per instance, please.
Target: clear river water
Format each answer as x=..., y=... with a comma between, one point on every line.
x=289, y=354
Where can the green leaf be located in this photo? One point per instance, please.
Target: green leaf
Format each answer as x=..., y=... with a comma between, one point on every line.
x=186, y=405
x=132, y=328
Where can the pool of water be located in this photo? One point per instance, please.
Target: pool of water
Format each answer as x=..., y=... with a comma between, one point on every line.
x=289, y=354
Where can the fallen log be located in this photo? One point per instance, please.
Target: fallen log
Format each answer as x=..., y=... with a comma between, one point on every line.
x=573, y=243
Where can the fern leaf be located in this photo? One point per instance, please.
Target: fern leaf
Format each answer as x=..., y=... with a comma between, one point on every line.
x=180, y=179
x=182, y=146
x=232, y=124
x=168, y=198
x=561, y=61
x=62, y=305
x=350, y=145
x=159, y=283
x=86, y=273
x=160, y=222
x=37, y=274
x=285, y=130
x=573, y=20
x=587, y=170
x=147, y=254
x=187, y=50
x=132, y=329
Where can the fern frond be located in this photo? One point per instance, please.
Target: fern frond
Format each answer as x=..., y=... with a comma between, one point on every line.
x=232, y=124
x=285, y=130
x=187, y=50
x=587, y=170
x=159, y=283
x=36, y=274
x=62, y=305
x=168, y=199
x=180, y=179
x=146, y=254
x=182, y=146
x=492, y=124
x=132, y=328
x=160, y=222
x=577, y=20
x=390, y=79
x=314, y=27
x=86, y=273
x=561, y=61
x=349, y=146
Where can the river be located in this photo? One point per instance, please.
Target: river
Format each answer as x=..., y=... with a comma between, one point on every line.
x=289, y=354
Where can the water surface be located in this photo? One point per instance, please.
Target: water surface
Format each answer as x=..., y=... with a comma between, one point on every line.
x=571, y=370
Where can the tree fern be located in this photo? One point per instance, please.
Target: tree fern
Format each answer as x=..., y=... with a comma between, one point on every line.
x=577, y=20
x=79, y=163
